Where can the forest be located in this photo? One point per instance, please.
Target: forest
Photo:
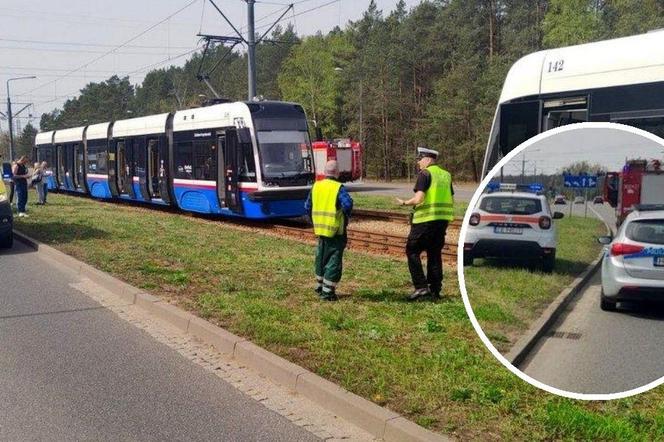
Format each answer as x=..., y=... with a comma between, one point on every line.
x=430, y=75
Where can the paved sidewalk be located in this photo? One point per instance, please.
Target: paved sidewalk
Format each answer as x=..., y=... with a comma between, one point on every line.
x=78, y=363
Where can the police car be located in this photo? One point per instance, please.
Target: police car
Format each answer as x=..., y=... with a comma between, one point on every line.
x=633, y=264
x=6, y=218
x=512, y=224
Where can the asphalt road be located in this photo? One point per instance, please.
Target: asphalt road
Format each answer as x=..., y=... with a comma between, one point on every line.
x=72, y=370
x=588, y=350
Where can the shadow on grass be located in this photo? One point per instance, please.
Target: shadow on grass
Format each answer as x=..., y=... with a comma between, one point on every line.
x=564, y=267
x=391, y=296
x=60, y=233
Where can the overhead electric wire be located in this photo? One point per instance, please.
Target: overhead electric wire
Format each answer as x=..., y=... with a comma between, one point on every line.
x=100, y=45
x=140, y=34
x=142, y=69
x=301, y=13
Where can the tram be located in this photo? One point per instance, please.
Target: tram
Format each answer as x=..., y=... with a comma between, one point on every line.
x=241, y=159
x=619, y=80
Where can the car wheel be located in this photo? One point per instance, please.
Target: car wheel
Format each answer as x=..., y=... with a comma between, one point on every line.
x=467, y=259
x=7, y=241
x=549, y=262
x=606, y=304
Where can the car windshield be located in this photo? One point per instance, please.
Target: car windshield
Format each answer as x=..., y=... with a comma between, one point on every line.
x=647, y=230
x=284, y=153
x=511, y=205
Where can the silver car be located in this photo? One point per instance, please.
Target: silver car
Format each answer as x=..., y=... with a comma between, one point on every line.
x=633, y=264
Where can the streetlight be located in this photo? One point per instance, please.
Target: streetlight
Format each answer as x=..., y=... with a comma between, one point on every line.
x=9, y=115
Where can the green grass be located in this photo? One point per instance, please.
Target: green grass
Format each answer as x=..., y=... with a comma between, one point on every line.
x=506, y=298
x=423, y=360
x=382, y=202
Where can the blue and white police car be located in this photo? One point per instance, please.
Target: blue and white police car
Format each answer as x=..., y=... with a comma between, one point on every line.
x=633, y=264
x=510, y=223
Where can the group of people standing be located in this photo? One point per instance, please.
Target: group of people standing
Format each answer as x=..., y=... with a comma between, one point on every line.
x=21, y=178
x=330, y=206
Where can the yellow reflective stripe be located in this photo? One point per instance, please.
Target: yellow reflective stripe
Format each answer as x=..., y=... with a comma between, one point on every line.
x=427, y=206
x=319, y=213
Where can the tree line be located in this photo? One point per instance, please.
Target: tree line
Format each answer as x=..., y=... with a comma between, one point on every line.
x=430, y=75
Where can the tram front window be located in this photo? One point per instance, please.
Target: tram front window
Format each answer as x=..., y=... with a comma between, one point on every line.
x=285, y=155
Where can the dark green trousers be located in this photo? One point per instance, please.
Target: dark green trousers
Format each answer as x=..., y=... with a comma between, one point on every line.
x=329, y=262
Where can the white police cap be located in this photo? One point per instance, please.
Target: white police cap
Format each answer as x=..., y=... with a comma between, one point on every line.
x=425, y=152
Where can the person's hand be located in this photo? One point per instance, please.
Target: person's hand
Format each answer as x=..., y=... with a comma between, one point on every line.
x=400, y=202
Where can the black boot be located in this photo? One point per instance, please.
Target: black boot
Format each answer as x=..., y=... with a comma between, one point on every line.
x=419, y=294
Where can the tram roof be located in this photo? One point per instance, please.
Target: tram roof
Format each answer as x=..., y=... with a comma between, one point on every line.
x=152, y=124
x=217, y=115
x=97, y=131
x=621, y=61
x=69, y=135
x=44, y=138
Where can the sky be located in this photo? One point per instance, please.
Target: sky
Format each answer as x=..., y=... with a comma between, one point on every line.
x=51, y=38
x=607, y=147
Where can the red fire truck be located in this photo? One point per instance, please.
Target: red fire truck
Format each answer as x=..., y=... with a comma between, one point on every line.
x=346, y=151
x=640, y=182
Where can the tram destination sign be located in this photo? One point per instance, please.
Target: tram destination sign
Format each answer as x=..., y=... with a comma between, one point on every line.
x=580, y=181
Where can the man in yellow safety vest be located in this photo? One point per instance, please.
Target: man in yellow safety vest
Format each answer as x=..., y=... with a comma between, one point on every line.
x=329, y=206
x=433, y=210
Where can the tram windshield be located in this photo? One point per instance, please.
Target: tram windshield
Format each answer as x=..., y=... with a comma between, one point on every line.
x=285, y=155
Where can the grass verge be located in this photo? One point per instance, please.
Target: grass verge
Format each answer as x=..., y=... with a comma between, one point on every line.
x=507, y=298
x=423, y=360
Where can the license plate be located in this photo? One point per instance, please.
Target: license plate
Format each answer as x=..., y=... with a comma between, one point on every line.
x=510, y=230
x=659, y=261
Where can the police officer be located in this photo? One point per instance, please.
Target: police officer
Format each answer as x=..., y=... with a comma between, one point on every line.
x=433, y=210
x=329, y=206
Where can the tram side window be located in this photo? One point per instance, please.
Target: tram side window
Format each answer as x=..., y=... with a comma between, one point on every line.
x=97, y=159
x=205, y=164
x=248, y=164
x=184, y=157
x=139, y=157
x=92, y=159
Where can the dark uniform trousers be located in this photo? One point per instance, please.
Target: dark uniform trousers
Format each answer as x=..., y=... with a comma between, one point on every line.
x=429, y=237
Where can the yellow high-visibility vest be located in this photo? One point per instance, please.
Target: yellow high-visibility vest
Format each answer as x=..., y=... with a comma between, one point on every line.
x=438, y=201
x=328, y=221
x=2, y=187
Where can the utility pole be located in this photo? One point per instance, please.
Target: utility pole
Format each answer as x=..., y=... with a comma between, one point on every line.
x=251, y=49
x=250, y=41
x=10, y=116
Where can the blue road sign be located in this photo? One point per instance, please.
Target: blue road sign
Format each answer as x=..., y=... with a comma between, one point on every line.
x=580, y=181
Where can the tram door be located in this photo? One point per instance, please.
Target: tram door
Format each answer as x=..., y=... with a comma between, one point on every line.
x=60, y=165
x=79, y=167
x=123, y=162
x=228, y=190
x=154, y=170
x=142, y=167
x=69, y=167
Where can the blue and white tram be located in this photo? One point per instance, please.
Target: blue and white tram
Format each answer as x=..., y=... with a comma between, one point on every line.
x=243, y=159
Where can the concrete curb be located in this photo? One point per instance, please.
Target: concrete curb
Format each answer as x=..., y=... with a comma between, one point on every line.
x=378, y=421
x=527, y=342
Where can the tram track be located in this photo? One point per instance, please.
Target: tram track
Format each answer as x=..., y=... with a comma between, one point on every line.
x=374, y=241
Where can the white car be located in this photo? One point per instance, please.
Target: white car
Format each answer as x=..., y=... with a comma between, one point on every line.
x=633, y=264
x=512, y=225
